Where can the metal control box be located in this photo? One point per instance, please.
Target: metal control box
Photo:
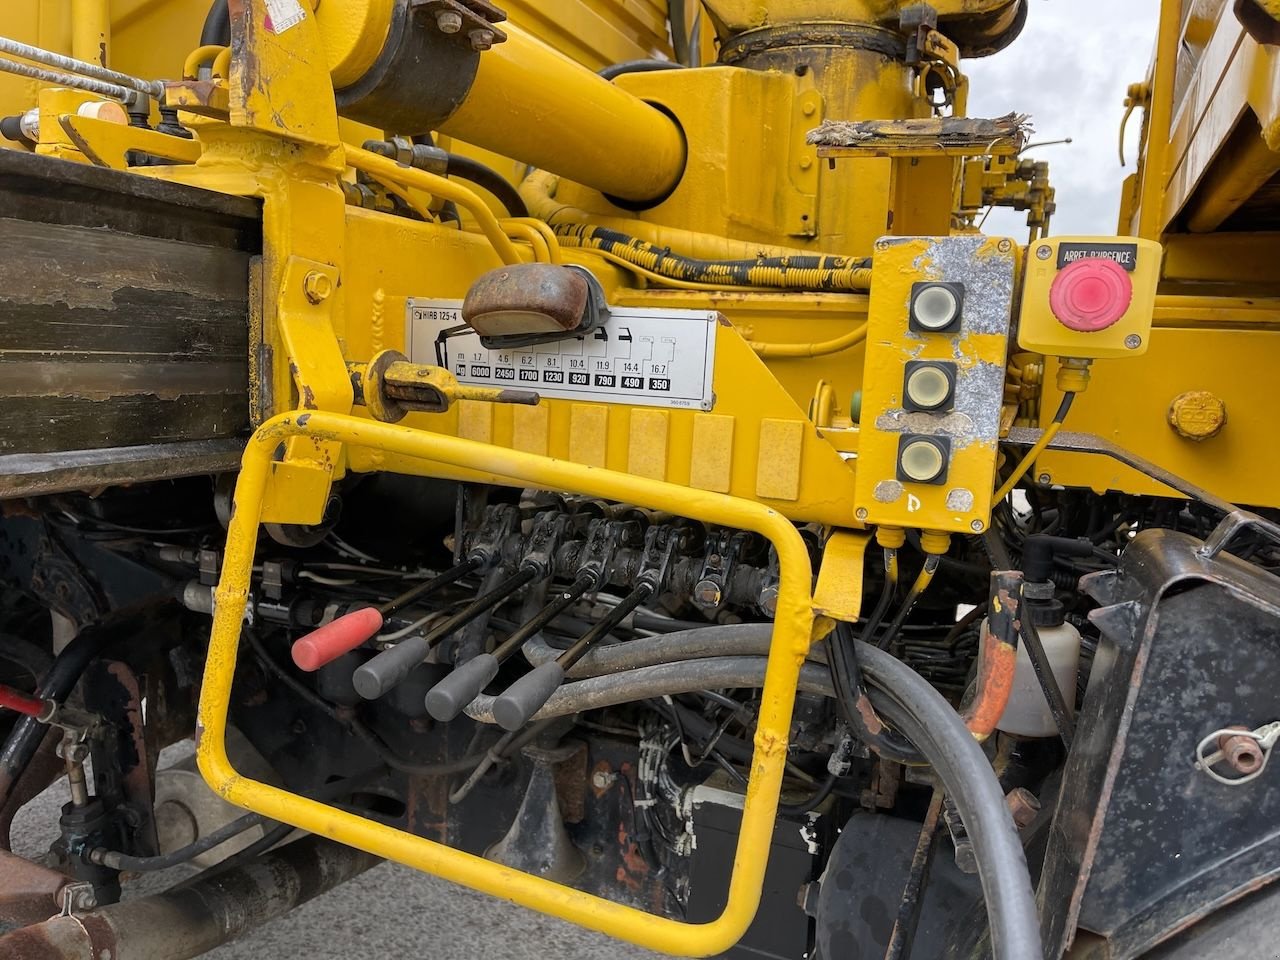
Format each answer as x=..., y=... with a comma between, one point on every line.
x=939, y=323
x=1089, y=297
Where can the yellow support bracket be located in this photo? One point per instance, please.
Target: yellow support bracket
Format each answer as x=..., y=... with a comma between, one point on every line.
x=793, y=630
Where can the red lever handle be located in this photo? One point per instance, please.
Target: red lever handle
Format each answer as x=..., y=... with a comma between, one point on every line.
x=335, y=638
x=21, y=702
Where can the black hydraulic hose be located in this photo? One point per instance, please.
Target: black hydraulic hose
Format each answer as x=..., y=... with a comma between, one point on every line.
x=924, y=716
x=807, y=272
x=217, y=26
x=482, y=175
x=123, y=861
x=24, y=740
x=912, y=706
x=815, y=801
x=357, y=727
x=637, y=66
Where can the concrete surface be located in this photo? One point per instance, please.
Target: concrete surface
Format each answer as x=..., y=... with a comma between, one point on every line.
x=390, y=911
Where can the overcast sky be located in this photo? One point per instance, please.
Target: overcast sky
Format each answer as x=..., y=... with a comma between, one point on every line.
x=1069, y=70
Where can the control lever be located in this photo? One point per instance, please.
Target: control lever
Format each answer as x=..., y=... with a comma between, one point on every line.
x=450, y=696
x=527, y=695
x=520, y=701
x=343, y=634
x=388, y=668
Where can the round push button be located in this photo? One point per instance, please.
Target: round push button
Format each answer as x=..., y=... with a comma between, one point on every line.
x=1090, y=295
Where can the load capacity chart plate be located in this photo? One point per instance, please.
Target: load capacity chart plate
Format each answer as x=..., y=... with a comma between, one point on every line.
x=657, y=358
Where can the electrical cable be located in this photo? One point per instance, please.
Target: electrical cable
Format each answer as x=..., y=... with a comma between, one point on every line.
x=1037, y=448
x=815, y=801
x=638, y=66
x=376, y=743
x=123, y=861
x=921, y=584
x=806, y=272
x=487, y=178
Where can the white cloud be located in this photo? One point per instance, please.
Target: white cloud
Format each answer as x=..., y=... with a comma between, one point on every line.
x=1069, y=69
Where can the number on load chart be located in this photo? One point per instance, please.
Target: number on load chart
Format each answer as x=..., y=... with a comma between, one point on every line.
x=640, y=356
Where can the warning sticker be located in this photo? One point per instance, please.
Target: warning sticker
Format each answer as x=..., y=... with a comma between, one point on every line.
x=1125, y=254
x=283, y=15
x=647, y=357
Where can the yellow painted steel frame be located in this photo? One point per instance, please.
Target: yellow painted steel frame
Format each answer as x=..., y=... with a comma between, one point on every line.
x=793, y=627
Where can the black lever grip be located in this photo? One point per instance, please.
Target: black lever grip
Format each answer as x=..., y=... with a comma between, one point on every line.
x=377, y=676
x=526, y=696
x=450, y=696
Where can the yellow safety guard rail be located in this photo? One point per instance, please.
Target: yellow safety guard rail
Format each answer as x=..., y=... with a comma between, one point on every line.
x=793, y=626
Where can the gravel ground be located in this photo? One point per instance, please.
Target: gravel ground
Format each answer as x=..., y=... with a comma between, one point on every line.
x=390, y=911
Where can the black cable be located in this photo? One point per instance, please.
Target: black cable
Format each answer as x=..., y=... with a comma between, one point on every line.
x=217, y=26
x=123, y=861
x=638, y=66
x=465, y=168
x=815, y=801
x=24, y=739
x=376, y=743
x=908, y=701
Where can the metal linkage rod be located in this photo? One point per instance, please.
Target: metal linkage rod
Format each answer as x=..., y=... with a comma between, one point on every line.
x=527, y=695
x=68, y=80
x=453, y=693
x=82, y=68
x=388, y=668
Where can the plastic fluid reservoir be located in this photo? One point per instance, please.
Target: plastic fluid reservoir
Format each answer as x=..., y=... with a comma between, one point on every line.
x=1027, y=713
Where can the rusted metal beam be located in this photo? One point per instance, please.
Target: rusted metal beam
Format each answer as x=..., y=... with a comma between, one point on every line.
x=194, y=919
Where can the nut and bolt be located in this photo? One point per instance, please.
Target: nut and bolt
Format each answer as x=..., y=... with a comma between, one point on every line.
x=1241, y=753
x=1023, y=806
x=769, y=600
x=707, y=593
x=481, y=39
x=1133, y=341
x=448, y=21
x=603, y=779
x=1044, y=252
x=317, y=286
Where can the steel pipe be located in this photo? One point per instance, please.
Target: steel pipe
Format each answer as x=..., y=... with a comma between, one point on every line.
x=193, y=919
x=535, y=104
x=96, y=71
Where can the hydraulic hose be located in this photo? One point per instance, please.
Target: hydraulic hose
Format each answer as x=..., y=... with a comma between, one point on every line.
x=24, y=740
x=123, y=861
x=638, y=66
x=803, y=272
x=217, y=26
x=482, y=175
x=908, y=701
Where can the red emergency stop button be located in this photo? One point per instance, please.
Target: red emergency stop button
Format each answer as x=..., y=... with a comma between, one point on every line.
x=1090, y=294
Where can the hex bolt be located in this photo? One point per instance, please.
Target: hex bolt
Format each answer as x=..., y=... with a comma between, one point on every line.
x=317, y=286
x=1045, y=478
x=861, y=513
x=603, y=779
x=1044, y=252
x=448, y=21
x=481, y=39
x=1133, y=341
x=1023, y=806
x=1004, y=246
x=976, y=526
x=707, y=594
